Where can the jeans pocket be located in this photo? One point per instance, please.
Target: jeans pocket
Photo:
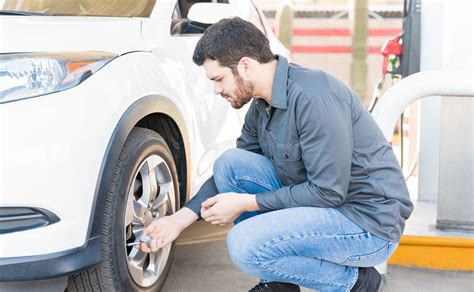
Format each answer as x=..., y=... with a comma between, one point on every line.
x=370, y=259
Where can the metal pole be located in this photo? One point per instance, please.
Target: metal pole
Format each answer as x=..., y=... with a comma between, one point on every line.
x=359, y=21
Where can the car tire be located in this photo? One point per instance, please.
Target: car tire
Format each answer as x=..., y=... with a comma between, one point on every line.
x=133, y=201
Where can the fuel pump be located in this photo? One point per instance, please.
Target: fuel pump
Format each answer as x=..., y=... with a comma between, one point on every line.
x=401, y=58
x=392, y=52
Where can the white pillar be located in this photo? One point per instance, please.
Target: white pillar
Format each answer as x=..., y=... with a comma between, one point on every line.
x=431, y=50
x=456, y=147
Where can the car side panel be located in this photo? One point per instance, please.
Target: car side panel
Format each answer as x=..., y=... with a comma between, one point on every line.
x=53, y=147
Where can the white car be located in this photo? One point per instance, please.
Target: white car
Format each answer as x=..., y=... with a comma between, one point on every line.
x=105, y=125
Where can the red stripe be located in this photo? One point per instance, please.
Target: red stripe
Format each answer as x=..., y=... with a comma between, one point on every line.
x=330, y=49
x=321, y=49
x=375, y=32
x=321, y=32
x=375, y=50
x=383, y=32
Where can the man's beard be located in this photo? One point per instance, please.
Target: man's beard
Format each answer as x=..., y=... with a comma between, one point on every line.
x=243, y=93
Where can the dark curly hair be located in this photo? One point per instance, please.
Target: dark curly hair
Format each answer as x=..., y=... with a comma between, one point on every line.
x=230, y=39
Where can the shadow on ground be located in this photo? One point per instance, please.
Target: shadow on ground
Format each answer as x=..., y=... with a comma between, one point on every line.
x=202, y=265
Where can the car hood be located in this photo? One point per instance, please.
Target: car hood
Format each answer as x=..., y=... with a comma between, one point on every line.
x=55, y=33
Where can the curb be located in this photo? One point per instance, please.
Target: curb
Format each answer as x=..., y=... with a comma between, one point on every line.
x=439, y=253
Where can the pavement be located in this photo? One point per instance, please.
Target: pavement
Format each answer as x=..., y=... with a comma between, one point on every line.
x=201, y=264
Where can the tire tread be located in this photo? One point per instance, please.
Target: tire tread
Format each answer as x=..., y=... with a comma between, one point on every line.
x=101, y=278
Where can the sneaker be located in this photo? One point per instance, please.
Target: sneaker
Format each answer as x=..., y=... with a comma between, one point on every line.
x=275, y=287
x=369, y=280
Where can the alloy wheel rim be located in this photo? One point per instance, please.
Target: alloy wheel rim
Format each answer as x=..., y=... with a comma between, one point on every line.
x=151, y=196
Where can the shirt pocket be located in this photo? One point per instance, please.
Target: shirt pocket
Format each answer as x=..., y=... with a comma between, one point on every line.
x=288, y=152
x=288, y=163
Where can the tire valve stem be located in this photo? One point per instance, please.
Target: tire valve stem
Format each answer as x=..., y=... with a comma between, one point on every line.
x=143, y=239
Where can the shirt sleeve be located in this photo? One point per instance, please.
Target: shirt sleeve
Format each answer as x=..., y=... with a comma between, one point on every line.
x=207, y=190
x=248, y=139
x=325, y=137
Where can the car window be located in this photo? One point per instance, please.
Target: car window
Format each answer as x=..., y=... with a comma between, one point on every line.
x=181, y=26
x=120, y=8
x=184, y=5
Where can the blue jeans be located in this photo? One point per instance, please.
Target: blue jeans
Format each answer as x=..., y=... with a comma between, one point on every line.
x=317, y=248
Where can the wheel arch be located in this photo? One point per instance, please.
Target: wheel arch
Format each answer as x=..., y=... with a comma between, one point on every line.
x=156, y=113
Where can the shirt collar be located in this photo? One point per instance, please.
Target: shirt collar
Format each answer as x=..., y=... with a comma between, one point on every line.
x=279, y=99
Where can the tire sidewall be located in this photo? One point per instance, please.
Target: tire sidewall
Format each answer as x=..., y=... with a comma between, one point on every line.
x=133, y=154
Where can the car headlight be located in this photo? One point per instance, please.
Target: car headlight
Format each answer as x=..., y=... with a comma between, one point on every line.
x=26, y=75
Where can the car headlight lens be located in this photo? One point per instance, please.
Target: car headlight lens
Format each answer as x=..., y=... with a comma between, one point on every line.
x=28, y=75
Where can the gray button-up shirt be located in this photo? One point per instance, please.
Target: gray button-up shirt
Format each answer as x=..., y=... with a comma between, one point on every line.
x=327, y=151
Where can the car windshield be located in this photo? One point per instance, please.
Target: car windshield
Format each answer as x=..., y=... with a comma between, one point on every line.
x=122, y=8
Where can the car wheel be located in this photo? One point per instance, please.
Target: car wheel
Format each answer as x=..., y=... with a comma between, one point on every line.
x=144, y=187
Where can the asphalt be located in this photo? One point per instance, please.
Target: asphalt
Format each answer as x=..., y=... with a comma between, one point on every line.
x=202, y=264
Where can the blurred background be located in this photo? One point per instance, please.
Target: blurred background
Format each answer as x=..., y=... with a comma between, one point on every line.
x=322, y=36
x=346, y=38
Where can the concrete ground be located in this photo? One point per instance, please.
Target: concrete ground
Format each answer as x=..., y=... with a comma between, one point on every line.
x=202, y=264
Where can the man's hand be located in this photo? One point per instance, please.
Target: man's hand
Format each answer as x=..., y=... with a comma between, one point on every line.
x=224, y=208
x=166, y=229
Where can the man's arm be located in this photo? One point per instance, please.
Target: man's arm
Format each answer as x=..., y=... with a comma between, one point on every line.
x=166, y=229
x=207, y=190
x=325, y=130
x=225, y=208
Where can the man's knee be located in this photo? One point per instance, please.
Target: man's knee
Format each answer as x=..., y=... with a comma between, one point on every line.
x=223, y=170
x=228, y=166
x=243, y=247
x=227, y=159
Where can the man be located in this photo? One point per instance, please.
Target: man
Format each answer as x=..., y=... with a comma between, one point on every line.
x=315, y=188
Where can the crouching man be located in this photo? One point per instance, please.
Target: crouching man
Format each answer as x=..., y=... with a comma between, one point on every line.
x=315, y=191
